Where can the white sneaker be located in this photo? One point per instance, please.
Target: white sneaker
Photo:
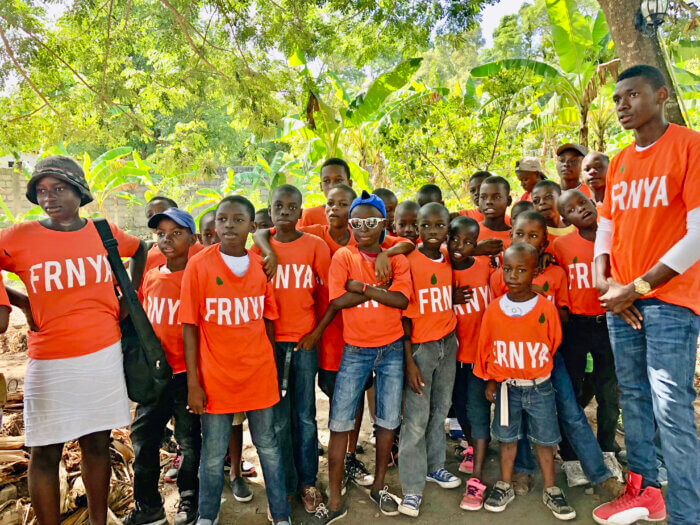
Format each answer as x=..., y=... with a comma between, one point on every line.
x=574, y=474
x=613, y=465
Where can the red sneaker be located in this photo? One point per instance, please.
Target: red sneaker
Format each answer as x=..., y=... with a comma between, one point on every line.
x=635, y=504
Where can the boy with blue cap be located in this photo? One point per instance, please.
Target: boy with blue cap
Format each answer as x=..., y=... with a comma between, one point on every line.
x=373, y=334
x=176, y=233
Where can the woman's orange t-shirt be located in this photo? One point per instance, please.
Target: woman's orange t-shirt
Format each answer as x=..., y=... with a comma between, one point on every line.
x=430, y=305
x=315, y=215
x=575, y=254
x=370, y=324
x=236, y=361
x=552, y=281
x=69, y=284
x=469, y=315
x=302, y=273
x=161, y=300
x=647, y=197
x=524, y=349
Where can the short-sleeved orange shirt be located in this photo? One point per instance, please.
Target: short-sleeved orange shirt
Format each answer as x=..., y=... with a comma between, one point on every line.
x=469, y=315
x=315, y=215
x=370, y=324
x=430, y=305
x=486, y=233
x=472, y=213
x=236, y=360
x=302, y=269
x=647, y=196
x=322, y=231
x=155, y=259
x=524, y=349
x=161, y=300
x=552, y=280
x=69, y=284
x=4, y=299
x=575, y=255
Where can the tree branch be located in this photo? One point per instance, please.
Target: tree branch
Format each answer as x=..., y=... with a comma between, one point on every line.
x=104, y=66
x=25, y=75
x=27, y=115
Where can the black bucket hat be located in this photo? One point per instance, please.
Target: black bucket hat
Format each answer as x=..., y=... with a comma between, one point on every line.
x=63, y=168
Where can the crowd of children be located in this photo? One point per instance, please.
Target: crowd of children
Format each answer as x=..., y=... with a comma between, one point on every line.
x=491, y=311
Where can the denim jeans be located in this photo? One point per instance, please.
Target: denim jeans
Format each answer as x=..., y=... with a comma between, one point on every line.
x=356, y=368
x=471, y=407
x=574, y=425
x=216, y=429
x=584, y=334
x=295, y=417
x=655, y=368
x=422, y=442
x=146, y=433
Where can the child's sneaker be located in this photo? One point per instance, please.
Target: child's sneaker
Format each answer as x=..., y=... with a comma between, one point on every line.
x=613, y=466
x=356, y=471
x=146, y=516
x=521, y=483
x=410, y=505
x=474, y=496
x=248, y=469
x=467, y=464
x=326, y=516
x=635, y=504
x=311, y=499
x=240, y=489
x=171, y=474
x=574, y=474
x=501, y=494
x=385, y=501
x=444, y=479
x=555, y=500
x=186, y=509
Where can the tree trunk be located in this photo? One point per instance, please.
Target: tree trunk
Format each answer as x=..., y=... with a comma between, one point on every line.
x=633, y=47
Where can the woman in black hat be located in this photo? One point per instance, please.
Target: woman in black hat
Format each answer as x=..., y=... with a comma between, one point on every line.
x=74, y=385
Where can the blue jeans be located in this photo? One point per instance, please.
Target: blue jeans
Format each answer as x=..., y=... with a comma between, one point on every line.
x=295, y=417
x=216, y=429
x=469, y=401
x=655, y=368
x=356, y=367
x=574, y=425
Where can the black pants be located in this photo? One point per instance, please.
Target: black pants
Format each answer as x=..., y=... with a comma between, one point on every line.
x=146, y=432
x=584, y=334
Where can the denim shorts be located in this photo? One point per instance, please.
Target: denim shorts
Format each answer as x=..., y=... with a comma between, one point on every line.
x=534, y=403
x=326, y=381
x=356, y=368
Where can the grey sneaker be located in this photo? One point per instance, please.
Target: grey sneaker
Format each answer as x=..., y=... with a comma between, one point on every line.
x=240, y=489
x=141, y=515
x=387, y=504
x=326, y=516
x=501, y=494
x=187, y=509
x=555, y=500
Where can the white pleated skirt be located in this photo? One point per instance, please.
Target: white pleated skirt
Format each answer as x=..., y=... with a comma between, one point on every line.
x=65, y=399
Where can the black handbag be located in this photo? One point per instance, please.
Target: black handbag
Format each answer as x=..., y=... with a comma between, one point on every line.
x=146, y=369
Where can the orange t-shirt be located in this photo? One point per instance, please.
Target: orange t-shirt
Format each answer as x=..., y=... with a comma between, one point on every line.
x=522, y=351
x=370, y=324
x=315, y=215
x=4, y=299
x=486, y=233
x=69, y=284
x=525, y=197
x=472, y=213
x=647, y=196
x=469, y=315
x=236, y=360
x=552, y=280
x=302, y=270
x=430, y=305
x=322, y=231
x=161, y=300
x=155, y=259
x=575, y=254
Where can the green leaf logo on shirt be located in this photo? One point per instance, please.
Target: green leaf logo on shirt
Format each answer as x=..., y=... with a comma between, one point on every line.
x=622, y=168
x=541, y=319
x=219, y=281
x=546, y=286
x=433, y=279
x=575, y=260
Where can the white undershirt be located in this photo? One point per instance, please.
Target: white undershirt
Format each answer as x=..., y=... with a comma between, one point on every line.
x=164, y=269
x=513, y=309
x=238, y=265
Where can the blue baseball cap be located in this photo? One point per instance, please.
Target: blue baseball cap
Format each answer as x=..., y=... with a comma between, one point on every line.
x=177, y=215
x=370, y=199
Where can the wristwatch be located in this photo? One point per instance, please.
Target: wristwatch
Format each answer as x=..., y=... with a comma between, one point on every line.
x=641, y=286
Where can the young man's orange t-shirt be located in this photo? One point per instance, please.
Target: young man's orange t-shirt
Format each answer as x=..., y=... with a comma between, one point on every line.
x=236, y=361
x=647, y=196
x=469, y=315
x=430, y=303
x=69, y=284
x=315, y=215
x=575, y=254
x=161, y=300
x=518, y=347
x=486, y=233
x=552, y=280
x=302, y=273
x=370, y=324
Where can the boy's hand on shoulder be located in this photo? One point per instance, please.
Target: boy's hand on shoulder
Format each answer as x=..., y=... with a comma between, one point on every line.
x=491, y=389
x=489, y=247
x=462, y=294
x=196, y=399
x=382, y=268
x=545, y=260
x=537, y=289
x=354, y=286
x=270, y=265
x=414, y=377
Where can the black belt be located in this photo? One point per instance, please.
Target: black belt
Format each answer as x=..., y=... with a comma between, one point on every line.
x=599, y=319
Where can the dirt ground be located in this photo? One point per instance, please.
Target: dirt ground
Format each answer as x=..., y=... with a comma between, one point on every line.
x=439, y=505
